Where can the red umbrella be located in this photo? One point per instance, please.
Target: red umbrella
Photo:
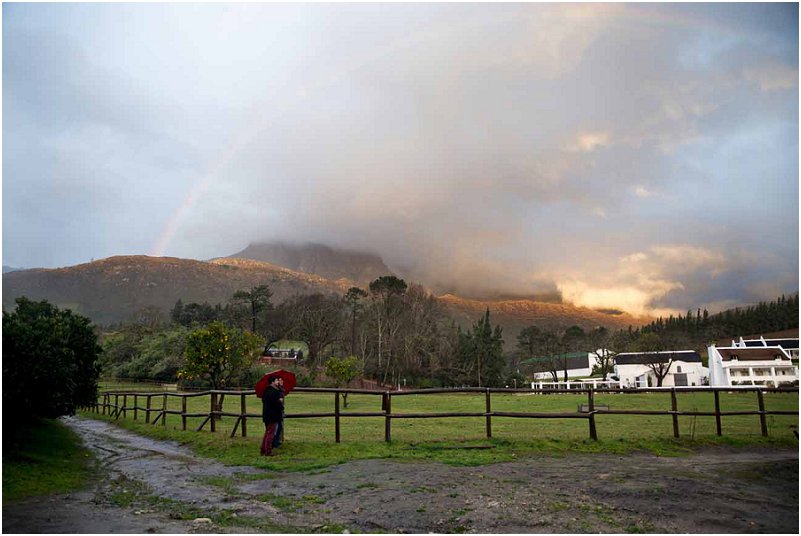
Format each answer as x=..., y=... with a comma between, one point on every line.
x=289, y=381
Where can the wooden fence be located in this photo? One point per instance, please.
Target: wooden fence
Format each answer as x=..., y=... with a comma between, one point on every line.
x=158, y=411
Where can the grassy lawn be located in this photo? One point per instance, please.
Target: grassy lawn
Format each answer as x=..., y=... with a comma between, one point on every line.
x=46, y=457
x=310, y=441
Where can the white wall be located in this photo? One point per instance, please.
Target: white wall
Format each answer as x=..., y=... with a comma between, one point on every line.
x=635, y=375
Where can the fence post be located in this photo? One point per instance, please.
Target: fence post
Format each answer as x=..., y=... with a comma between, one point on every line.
x=762, y=420
x=211, y=411
x=675, y=407
x=116, y=405
x=387, y=418
x=136, y=404
x=336, y=416
x=591, y=408
x=244, y=410
x=147, y=409
x=105, y=402
x=183, y=413
x=164, y=410
x=717, y=413
x=489, y=418
x=124, y=406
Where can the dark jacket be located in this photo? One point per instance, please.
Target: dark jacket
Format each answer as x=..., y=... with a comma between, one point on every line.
x=272, y=405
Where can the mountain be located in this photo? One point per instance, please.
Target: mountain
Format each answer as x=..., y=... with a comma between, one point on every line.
x=112, y=289
x=318, y=259
x=514, y=315
x=7, y=269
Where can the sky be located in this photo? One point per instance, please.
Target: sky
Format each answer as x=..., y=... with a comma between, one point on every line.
x=634, y=156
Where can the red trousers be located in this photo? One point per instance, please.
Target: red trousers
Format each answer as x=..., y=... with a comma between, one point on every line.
x=267, y=441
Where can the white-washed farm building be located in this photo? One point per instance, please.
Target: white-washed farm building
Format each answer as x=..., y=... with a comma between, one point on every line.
x=686, y=368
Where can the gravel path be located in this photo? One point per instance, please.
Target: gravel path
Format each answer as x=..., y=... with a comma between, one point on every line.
x=158, y=486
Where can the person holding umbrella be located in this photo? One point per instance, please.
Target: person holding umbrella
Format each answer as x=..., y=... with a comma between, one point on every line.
x=279, y=430
x=272, y=412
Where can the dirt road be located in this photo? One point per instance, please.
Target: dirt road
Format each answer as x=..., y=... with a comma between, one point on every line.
x=156, y=486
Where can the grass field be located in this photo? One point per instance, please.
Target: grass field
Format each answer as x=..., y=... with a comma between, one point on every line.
x=46, y=457
x=310, y=441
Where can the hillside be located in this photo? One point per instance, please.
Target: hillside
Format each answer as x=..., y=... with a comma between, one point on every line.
x=514, y=315
x=319, y=259
x=112, y=289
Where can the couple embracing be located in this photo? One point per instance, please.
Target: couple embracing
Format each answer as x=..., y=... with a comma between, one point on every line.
x=272, y=414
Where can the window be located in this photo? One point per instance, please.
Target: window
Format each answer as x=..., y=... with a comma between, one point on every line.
x=678, y=369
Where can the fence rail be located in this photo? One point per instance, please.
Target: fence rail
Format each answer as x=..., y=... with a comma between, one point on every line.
x=116, y=409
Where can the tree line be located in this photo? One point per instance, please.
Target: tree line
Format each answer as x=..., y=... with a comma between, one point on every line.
x=396, y=334
x=765, y=317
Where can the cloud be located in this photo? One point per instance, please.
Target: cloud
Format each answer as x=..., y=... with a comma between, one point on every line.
x=588, y=141
x=773, y=77
x=488, y=147
x=641, y=281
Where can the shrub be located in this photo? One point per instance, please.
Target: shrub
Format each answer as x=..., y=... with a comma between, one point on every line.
x=49, y=362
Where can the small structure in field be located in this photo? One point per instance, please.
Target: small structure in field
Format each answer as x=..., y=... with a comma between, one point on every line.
x=272, y=354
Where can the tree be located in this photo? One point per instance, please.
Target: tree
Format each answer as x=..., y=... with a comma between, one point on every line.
x=316, y=320
x=49, y=362
x=386, y=292
x=150, y=317
x=651, y=345
x=543, y=347
x=353, y=300
x=528, y=341
x=195, y=313
x=481, y=351
x=604, y=346
x=343, y=371
x=257, y=299
x=217, y=353
x=572, y=341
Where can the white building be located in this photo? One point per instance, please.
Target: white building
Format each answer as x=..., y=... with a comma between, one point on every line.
x=767, y=362
x=685, y=369
x=579, y=365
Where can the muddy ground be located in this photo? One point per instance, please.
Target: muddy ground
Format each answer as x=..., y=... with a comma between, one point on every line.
x=147, y=486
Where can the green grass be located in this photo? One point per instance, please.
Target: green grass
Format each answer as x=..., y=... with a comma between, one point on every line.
x=46, y=457
x=462, y=441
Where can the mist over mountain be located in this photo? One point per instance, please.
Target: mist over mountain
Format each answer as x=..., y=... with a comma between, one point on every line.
x=363, y=267
x=319, y=259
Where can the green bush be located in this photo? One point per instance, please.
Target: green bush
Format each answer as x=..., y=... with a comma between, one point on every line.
x=49, y=362
x=143, y=354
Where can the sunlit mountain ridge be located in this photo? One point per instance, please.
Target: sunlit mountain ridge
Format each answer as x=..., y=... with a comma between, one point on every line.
x=114, y=289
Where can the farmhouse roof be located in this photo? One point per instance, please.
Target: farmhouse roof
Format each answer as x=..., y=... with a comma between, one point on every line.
x=643, y=358
x=751, y=354
x=784, y=343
